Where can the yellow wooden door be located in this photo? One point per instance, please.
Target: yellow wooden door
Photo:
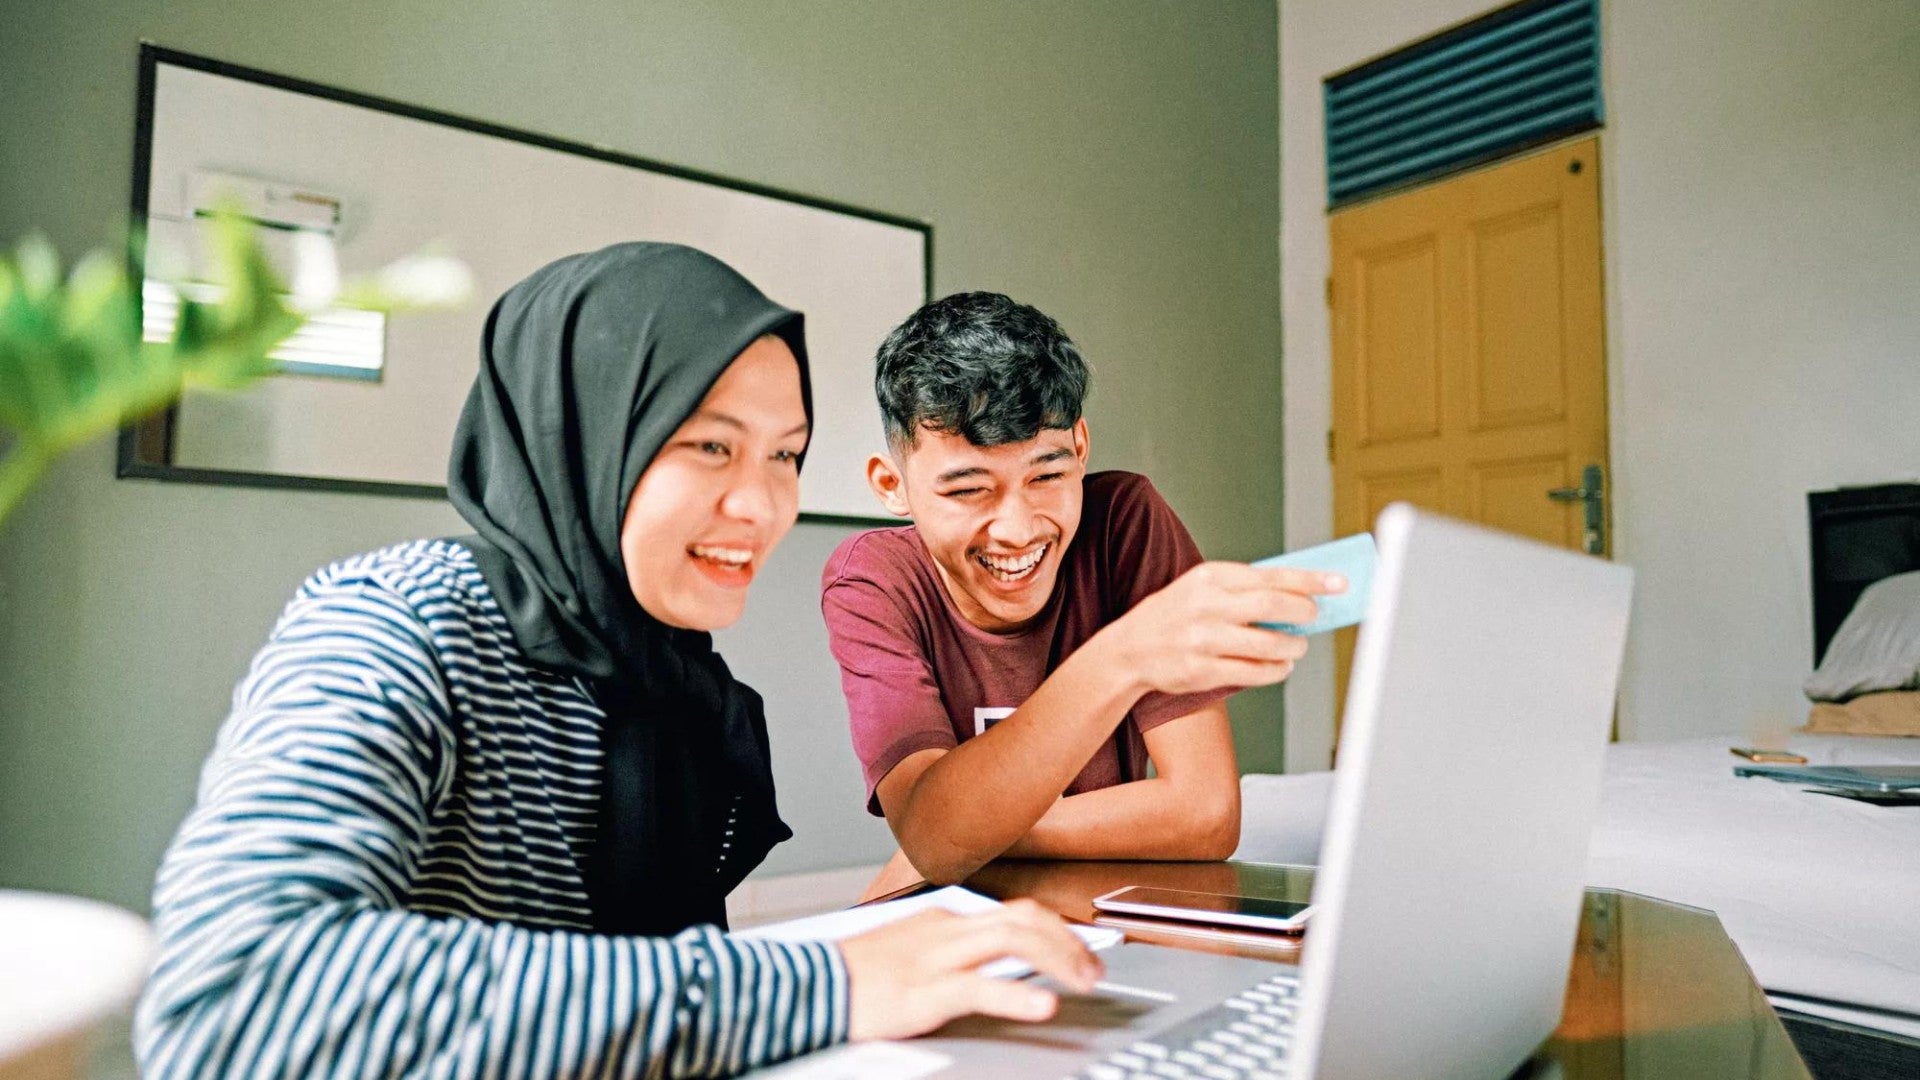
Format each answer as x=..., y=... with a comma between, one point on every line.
x=1469, y=371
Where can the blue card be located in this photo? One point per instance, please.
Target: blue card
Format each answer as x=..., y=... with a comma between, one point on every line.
x=1353, y=556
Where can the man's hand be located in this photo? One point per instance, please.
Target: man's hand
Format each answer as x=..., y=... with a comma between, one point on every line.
x=1197, y=634
x=914, y=975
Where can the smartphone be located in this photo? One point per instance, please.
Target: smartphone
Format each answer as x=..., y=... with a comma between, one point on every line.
x=1755, y=754
x=1219, y=909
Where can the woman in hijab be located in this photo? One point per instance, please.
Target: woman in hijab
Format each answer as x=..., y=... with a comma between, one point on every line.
x=480, y=801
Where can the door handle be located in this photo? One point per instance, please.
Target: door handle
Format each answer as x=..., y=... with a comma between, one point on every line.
x=1591, y=492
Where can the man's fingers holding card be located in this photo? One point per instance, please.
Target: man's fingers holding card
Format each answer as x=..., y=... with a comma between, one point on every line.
x=1351, y=558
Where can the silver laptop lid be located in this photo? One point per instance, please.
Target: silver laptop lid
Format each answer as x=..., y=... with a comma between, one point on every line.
x=1448, y=894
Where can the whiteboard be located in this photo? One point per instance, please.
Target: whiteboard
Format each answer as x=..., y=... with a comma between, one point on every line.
x=505, y=203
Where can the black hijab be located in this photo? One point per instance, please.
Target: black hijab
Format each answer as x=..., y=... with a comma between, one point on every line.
x=586, y=368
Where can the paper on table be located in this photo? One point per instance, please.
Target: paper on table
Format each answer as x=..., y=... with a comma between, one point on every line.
x=861, y=1061
x=835, y=925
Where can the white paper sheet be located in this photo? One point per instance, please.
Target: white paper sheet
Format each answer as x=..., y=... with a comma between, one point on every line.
x=861, y=1061
x=835, y=925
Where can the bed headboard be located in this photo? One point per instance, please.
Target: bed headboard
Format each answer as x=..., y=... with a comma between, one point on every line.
x=1859, y=535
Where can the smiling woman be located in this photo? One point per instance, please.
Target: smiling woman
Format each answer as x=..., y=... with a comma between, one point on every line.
x=722, y=492
x=487, y=794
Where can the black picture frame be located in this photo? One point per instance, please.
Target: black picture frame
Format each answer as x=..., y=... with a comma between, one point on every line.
x=145, y=449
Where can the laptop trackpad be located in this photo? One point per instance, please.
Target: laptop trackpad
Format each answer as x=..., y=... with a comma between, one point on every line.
x=1151, y=987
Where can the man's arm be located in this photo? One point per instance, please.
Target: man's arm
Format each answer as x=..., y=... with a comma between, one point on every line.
x=1194, y=635
x=932, y=799
x=1190, y=810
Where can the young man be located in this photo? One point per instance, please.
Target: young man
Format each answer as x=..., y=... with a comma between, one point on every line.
x=1014, y=658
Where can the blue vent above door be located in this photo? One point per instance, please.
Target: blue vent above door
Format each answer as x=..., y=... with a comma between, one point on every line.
x=1517, y=77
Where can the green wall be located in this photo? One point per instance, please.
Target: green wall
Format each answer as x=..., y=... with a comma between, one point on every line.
x=1114, y=163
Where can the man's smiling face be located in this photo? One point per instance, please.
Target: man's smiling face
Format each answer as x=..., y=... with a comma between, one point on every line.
x=997, y=520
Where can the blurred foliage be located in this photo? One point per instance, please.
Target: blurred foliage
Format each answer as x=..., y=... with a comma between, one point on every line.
x=73, y=365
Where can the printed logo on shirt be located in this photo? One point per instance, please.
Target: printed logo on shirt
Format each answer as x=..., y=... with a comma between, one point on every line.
x=986, y=718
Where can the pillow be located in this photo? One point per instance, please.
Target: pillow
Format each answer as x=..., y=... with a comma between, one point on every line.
x=1877, y=647
x=1889, y=712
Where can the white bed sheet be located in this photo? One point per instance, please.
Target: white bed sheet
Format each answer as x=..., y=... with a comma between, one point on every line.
x=1821, y=894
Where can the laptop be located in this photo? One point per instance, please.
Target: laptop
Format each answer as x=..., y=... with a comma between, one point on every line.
x=1449, y=888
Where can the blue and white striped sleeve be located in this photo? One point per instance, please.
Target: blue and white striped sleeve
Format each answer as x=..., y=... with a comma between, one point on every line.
x=284, y=948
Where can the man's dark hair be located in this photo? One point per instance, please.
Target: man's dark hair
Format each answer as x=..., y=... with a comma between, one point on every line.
x=981, y=366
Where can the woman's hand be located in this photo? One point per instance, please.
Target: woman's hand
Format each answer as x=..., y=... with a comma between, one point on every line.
x=914, y=975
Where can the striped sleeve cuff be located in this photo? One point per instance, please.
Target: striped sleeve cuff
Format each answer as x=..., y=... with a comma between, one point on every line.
x=766, y=1001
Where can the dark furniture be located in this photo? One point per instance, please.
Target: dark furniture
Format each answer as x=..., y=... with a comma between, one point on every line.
x=1857, y=536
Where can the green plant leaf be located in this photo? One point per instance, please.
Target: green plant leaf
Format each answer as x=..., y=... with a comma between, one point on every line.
x=224, y=343
x=72, y=365
x=415, y=283
x=72, y=362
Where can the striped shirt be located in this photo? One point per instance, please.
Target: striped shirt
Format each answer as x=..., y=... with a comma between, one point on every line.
x=381, y=876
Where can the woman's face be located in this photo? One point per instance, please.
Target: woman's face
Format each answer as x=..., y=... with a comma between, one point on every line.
x=720, y=494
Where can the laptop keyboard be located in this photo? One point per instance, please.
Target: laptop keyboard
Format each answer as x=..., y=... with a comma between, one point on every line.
x=1243, y=1038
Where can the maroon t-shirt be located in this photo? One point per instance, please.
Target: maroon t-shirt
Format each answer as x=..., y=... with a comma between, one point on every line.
x=919, y=676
